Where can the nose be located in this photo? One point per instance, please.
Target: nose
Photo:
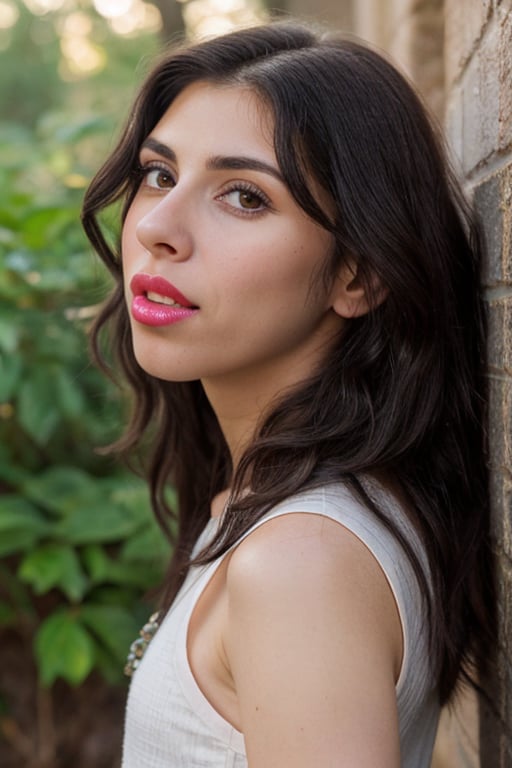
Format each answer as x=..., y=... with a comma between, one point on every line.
x=163, y=230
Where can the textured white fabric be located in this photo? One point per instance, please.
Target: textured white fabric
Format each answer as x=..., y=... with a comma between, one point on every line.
x=170, y=724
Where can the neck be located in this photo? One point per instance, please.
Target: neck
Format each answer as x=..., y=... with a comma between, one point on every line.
x=242, y=400
x=239, y=416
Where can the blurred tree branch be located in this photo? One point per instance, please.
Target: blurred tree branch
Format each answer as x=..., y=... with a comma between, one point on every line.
x=173, y=24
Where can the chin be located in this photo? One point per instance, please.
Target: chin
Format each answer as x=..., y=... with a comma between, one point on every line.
x=159, y=359
x=163, y=373
x=157, y=368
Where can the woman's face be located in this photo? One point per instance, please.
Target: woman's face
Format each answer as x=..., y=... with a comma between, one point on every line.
x=219, y=260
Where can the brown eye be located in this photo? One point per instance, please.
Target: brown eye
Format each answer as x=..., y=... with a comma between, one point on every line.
x=249, y=200
x=158, y=178
x=246, y=199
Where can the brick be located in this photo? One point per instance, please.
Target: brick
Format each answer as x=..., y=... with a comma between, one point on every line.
x=465, y=22
x=500, y=334
x=500, y=423
x=501, y=509
x=453, y=124
x=505, y=79
x=493, y=201
x=481, y=102
x=495, y=727
x=504, y=666
x=487, y=202
x=504, y=611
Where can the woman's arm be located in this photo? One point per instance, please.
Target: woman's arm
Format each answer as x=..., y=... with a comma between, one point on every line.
x=314, y=644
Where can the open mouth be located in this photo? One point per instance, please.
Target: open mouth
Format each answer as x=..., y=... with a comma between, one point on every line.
x=158, y=298
x=157, y=302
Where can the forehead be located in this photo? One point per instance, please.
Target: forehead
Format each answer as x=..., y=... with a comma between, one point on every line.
x=224, y=119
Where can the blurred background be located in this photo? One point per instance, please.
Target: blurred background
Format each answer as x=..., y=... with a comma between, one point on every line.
x=79, y=551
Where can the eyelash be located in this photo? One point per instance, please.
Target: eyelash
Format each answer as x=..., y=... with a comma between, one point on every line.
x=246, y=186
x=141, y=173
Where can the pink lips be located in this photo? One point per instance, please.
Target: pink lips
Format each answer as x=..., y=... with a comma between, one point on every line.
x=152, y=312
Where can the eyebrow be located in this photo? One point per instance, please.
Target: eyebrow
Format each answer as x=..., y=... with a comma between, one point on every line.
x=159, y=148
x=241, y=163
x=219, y=162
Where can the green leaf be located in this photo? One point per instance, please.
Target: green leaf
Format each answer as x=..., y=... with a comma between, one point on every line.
x=17, y=512
x=114, y=596
x=43, y=225
x=9, y=335
x=16, y=540
x=11, y=474
x=10, y=373
x=115, y=627
x=103, y=569
x=59, y=487
x=103, y=522
x=63, y=648
x=92, y=509
x=96, y=563
x=149, y=545
x=54, y=566
x=21, y=525
x=68, y=393
x=38, y=412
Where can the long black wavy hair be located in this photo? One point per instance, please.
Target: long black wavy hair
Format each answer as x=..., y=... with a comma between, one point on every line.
x=401, y=394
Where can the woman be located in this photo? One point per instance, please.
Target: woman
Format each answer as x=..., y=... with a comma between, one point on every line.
x=297, y=311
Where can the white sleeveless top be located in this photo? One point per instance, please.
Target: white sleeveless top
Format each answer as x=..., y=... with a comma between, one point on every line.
x=169, y=722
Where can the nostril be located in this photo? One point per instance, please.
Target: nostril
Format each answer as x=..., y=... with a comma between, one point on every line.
x=162, y=235
x=159, y=249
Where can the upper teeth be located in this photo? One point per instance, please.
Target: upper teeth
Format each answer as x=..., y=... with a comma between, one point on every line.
x=152, y=296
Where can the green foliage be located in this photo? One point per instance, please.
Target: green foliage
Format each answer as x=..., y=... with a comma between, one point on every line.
x=63, y=649
x=35, y=80
x=78, y=544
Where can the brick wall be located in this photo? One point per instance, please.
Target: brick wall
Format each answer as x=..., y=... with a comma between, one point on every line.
x=478, y=93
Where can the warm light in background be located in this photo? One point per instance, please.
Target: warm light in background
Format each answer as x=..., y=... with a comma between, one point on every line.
x=40, y=7
x=113, y=9
x=82, y=55
x=9, y=14
x=213, y=17
x=141, y=17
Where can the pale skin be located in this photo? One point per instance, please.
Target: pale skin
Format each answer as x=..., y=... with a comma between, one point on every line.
x=296, y=640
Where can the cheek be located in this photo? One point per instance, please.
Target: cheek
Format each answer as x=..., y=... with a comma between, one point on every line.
x=277, y=294
x=132, y=253
x=128, y=238
x=288, y=272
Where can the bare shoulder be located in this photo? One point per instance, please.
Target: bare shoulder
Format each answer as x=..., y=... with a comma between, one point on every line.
x=312, y=636
x=299, y=549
